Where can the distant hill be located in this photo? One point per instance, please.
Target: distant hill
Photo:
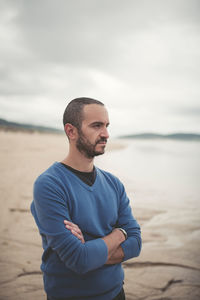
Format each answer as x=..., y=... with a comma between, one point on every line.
x=13, y=126
x=173, y=136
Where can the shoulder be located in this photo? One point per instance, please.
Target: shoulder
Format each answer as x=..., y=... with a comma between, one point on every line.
x=50, y=172
x=50, y=177
x=52, y=184
x=105, y=175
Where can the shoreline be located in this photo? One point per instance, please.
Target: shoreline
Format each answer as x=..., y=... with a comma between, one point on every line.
x=168, y=267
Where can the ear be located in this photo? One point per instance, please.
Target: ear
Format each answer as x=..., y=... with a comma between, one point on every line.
x=71, y=131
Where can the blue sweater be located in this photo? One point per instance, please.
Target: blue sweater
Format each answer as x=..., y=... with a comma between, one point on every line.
x=71, y=268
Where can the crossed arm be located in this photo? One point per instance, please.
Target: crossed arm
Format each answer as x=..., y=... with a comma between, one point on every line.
x=49, y=210
x=112, y=240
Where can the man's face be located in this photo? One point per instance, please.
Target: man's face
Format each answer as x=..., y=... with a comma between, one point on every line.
x=93, y=135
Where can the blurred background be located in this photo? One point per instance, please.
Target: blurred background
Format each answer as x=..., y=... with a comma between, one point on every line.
x=142, y=59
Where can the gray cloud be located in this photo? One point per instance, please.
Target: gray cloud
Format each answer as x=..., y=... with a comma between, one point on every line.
x=188, y=111
x=140, y=57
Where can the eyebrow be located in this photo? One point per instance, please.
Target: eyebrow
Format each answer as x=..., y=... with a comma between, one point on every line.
x=99, y=123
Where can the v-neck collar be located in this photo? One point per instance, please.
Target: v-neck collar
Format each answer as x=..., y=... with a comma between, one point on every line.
x=85, y=185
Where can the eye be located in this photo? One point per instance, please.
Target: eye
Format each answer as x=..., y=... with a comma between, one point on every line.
x=97, y=125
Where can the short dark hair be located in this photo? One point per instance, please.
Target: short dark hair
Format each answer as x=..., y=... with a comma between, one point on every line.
x=73, y=113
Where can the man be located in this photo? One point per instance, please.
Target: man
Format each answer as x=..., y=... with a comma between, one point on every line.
x=83, y=214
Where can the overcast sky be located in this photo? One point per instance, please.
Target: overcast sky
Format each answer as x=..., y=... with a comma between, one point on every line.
x=141, y=58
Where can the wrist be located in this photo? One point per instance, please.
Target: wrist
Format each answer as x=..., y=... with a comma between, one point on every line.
x=124, y=233
x=118, y=235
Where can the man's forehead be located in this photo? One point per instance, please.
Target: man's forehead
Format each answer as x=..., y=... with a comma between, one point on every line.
x=95, y=111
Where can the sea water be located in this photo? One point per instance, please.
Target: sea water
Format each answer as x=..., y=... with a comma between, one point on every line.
x=157, y=173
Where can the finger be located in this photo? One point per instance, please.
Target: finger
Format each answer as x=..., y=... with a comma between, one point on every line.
x=71, y=224
x=69, y=227
x=82, y=240
x=78, y=235
x=67, y=222
x=75, y=228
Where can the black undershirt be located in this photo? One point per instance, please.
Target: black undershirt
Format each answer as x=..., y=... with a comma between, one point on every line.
x=87, y=177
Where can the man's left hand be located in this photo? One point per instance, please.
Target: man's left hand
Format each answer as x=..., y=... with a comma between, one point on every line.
x=75, y=230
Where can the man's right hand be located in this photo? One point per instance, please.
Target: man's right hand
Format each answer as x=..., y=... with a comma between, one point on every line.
x=112, y=240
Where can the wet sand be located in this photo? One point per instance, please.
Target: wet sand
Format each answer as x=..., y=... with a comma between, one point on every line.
x=168, y=267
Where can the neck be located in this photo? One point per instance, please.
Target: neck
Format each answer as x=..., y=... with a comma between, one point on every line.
x=78, y=161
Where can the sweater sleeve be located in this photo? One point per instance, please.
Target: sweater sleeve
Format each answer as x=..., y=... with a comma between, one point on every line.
x=50, y=210
x=132, y=246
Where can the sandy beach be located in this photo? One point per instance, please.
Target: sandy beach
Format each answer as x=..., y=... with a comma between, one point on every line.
x=168, y=267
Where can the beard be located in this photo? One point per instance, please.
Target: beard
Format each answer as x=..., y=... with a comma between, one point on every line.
x=87, y=148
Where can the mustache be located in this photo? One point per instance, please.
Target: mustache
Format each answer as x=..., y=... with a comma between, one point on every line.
x=101, y=140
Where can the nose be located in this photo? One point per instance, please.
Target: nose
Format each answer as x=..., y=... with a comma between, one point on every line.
x=105, y=133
